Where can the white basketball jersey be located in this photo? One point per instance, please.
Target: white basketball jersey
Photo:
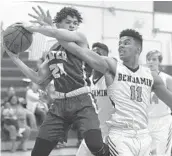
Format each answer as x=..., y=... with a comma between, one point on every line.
x=100, y=84
x=157, y=107
x=105, y=107
x=130, y=93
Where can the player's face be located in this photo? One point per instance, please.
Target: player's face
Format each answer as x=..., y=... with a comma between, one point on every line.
x=69, y=23
x=100, y=51
x=153, y=62
x=127, y=48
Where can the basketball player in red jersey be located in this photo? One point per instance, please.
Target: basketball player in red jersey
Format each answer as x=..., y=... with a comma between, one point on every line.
x=73, y=100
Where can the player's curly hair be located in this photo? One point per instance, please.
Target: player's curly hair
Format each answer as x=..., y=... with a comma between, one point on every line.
x=101, y=45
x=64, y=12
x=132, y=33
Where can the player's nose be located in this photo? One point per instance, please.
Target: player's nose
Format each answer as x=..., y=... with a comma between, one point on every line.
x=71, y=25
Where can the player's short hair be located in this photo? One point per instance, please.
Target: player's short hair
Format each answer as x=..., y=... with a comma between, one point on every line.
x=67, y=11
x=152, y=52
x=132, y=33
x=101, y=45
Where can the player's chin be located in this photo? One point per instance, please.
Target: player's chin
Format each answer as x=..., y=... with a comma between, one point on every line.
x=122, y=57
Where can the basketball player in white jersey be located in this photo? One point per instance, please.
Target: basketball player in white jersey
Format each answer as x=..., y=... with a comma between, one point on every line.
x=99, y=89
x=129, y=89
x=160, y=119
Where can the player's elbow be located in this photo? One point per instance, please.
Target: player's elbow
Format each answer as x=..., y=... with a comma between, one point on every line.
x=38, y=81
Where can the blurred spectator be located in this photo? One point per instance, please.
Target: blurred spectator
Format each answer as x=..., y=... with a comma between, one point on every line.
x=22, y=102
x=31, y=120
x=10, y=92
x=33, y=102
x=21, y=115
x=30, y=116
x=10, y=118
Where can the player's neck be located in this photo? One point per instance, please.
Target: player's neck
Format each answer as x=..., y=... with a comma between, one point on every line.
x=156, y=71
x=131, y=64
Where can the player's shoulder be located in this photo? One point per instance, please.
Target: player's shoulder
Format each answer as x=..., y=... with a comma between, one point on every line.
x=144, y=66
x=82, y=36
x=111, y=59
x=157, y=79
x=145, y=69
x=112, y=64
x=163, y=74
x=54, y=46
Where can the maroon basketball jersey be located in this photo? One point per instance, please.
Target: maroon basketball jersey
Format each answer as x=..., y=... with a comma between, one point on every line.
x=69, y=72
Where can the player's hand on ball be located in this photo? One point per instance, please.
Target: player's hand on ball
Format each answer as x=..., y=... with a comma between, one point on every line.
x=27, y=26
x=11, y=54
x=43, y=18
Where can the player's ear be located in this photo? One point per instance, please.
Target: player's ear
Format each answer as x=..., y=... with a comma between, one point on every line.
x=138, y=49
x=57, y=25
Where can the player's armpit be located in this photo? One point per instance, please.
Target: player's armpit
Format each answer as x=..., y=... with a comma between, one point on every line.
x=161, y=91
x=44, y=84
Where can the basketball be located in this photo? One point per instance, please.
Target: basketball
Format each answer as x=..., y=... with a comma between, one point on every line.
x=17, y=39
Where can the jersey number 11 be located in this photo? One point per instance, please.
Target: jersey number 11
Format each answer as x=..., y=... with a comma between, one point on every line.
x=136, y=93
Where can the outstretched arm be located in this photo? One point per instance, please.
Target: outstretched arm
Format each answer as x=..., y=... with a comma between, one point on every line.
x=59, y=34
x=94, y=60
x=161, y=90
x=37, y=77
x=47, y=27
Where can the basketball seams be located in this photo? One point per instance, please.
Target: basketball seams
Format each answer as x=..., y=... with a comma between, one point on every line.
x=25, y=35
x=21, y=43
x=14, y=40
x=17, y=41
x=14, y=37
x=10, y=33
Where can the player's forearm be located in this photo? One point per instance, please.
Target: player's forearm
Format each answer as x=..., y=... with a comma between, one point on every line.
x=31, y=74
x=44, y=84
x=59, y=34
x=166, y=97
x=91, y=58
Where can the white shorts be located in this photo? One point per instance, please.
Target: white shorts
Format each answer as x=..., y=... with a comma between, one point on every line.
x=123, y=143
x=161, y=132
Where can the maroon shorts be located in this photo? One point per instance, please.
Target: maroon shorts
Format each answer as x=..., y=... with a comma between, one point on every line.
x=78, y=110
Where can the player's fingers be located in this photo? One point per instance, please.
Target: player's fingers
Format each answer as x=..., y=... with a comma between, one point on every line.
x=36, y=11
x=6, y=49
x=18, y=24
x=33, y=21
x=42, y=11
x=48, y=14
x=33, y=16
x=37, y=22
